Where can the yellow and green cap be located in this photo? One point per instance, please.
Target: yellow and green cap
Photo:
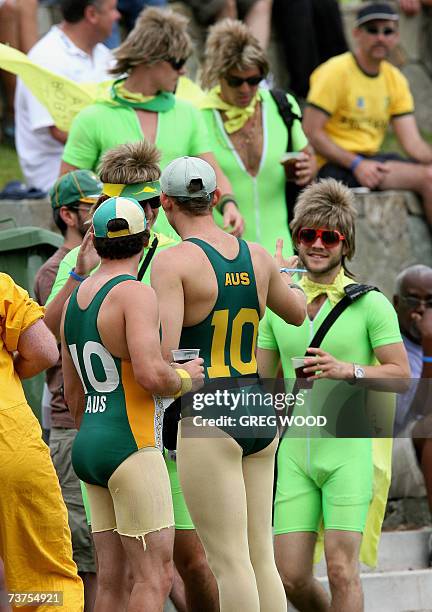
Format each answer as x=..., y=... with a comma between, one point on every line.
x=76, y=186
x=138, y=191
x=127, y=209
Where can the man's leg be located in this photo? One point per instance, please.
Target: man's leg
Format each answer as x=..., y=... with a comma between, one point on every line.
x=200, y=584
x=113, y=572
x=258, y=471
x=211, y=476
x=415, y=177
x=189, y=557
x=152, y=569
x=294, y=559
x=342, y=550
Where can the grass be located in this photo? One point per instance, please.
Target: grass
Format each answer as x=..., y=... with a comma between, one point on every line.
x=9, y=166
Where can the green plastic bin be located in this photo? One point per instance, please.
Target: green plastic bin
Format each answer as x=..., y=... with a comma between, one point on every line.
x=23, y=250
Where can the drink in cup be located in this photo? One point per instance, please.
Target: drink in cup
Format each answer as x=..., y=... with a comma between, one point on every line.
x=289, y=161
x=298, y=365
x=184, y=355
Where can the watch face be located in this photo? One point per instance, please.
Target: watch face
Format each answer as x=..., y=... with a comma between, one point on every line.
x=359, y=372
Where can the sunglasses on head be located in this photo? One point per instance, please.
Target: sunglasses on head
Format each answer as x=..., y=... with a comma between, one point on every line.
x=234, y=81
x=175, y=63
x=329, y=238
x=375, y=30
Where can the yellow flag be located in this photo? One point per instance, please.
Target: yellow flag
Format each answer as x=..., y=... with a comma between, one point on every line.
x=64, y=98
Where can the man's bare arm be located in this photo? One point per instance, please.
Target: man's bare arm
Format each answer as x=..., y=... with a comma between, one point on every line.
x=168, y=286
x=314, y=121
x=268, y=363
x=408, y=134
x=58, y=135
x=73, y=389
x=65, y=167
x=37, y=350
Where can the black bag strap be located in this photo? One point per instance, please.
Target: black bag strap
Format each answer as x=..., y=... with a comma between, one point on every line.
x=149, y=256
x=286, y=112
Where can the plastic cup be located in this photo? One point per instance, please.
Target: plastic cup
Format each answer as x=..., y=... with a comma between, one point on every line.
x=289, y=161
x=298, y=365
x=183, y=355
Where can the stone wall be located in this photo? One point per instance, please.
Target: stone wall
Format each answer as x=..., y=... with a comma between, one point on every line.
x=37, y=213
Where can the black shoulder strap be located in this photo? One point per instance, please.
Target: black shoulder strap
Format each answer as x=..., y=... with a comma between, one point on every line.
x=149, y=256
x=286, y=112
x=352, y=293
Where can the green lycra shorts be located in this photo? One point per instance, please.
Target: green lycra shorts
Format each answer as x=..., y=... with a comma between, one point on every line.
x=182, y=517
x=327, y=480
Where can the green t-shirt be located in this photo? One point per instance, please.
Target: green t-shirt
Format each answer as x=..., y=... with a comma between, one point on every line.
x=103, y=126
x=365, y=325
x=261, y=199
x=69, y=261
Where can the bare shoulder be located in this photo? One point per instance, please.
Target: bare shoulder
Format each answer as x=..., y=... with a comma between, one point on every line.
x=131, y=290
x=172, y=259
x=259, y=254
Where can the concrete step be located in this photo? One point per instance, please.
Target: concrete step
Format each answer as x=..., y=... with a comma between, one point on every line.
x=398, y=550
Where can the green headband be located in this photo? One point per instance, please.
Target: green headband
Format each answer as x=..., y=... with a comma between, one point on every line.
x=138, y=191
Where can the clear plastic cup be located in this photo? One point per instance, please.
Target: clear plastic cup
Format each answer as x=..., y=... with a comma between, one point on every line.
x=298, y=365
x=289, y=161
x=183, y=355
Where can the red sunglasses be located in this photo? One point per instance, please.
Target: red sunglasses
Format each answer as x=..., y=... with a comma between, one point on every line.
x=329, y=238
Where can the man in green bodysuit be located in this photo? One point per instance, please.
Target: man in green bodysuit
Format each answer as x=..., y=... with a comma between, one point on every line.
x=322, y=476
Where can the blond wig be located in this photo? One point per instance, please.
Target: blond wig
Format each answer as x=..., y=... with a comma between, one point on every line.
x=133, y=162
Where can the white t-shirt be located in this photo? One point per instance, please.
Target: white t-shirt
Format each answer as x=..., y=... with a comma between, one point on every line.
x=38, y=152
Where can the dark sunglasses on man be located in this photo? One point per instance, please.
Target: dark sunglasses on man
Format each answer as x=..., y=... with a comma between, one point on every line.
x=375, y=30
x=234, y=81
x=330, y=238
x=413, y=302
x=175, y=63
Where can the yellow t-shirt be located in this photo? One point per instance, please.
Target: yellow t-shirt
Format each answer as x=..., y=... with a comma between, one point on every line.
x=359, y=106
x=17, y=312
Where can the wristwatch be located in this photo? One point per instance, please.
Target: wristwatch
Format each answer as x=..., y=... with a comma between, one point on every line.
x=358, y=371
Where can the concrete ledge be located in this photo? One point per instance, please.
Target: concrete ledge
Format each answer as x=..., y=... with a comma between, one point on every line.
x=391, y=234
x=27, y=212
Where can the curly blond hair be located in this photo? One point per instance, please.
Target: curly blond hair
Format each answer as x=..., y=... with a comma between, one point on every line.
x=133, y=162
x=231, y=45
x=158, y=34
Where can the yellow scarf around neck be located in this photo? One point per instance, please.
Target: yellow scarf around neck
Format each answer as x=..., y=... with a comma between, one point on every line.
x=334, y=291
x=236, y=116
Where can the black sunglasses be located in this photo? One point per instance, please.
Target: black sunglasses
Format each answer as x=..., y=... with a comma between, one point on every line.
x=375, y=30
x=234, y=81
x=154, y=202
x=175, y=63
x=413, y=301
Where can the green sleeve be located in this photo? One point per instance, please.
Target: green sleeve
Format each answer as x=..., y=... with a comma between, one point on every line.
x=382, y=321
x=82, y=148
x=266, y=338
x=300, y=140
x=200, y=140
x=66, y=265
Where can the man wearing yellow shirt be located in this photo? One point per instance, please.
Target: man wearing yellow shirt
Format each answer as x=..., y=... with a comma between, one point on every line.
x=352, y=100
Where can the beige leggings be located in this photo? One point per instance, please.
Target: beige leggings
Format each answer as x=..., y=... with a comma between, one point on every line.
x=230, y=501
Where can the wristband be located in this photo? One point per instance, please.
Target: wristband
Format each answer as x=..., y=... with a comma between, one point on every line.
x=186, y=382
x=355, y=162
x=427, y=359
x=224, y=200
x=76, y=276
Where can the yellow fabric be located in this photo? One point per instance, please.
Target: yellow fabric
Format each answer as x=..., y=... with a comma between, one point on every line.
x=381, y=408
x=359, y=106
x=132, y=96
x=17, y=312
x=64, y=98
x=35, y=541
x=236, y=116
x=335, y=291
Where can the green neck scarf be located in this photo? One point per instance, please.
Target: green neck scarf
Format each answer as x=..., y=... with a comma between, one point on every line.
x=160, y=103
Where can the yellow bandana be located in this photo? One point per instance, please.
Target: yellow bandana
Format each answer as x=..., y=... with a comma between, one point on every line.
x=131, y=95
x=335, y=291
x=236, y=116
